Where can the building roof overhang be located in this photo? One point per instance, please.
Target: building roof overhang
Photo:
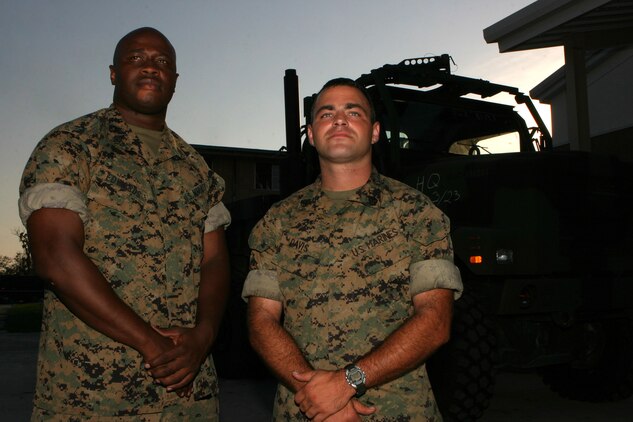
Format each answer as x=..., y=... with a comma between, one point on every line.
x=584, y=24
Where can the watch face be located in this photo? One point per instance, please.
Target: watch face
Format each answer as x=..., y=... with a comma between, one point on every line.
x=356, y=376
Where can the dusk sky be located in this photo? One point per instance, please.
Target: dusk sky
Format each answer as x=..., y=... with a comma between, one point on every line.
x=54, y=58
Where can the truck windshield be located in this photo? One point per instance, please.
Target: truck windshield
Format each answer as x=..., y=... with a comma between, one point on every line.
x=465, y=127
x=495, y=144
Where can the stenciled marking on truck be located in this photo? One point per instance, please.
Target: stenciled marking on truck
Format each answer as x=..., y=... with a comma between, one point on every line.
x=430, y=185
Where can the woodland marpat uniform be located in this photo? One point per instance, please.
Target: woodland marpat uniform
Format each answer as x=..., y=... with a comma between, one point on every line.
x=144, y=219
x=345, y=271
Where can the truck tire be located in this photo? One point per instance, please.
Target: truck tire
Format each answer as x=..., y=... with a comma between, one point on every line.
x=462, y=372
x=607, y=373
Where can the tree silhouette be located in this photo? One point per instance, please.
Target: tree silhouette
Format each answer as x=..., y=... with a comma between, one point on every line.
x=21, y=263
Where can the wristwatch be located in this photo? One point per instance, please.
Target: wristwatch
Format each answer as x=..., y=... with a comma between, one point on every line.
x=356, y=378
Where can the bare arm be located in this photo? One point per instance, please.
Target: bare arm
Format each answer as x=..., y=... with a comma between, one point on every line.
x=178, y=367
x=56, y=240
x=405, y=349
x=414, y=342
x=214, y=285
x=273, y=342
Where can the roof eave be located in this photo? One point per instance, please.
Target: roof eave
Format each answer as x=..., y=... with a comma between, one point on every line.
x=525, y=29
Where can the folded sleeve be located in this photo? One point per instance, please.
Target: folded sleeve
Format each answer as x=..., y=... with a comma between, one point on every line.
x=262, y=283
x=262, y=279
x=428, y=230
x=56, y=175
x=217, y=217
x=435, y=274
x=52, y=195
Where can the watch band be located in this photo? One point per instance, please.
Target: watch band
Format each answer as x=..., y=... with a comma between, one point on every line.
x=356, y=378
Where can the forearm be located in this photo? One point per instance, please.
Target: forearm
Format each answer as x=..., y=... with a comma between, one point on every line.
x=413, y=342
x=276, y=347
x=96, y=304
x=214, y=286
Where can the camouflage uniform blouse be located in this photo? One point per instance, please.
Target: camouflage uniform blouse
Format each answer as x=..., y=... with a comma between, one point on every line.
x=345, y=271
x=143, y=229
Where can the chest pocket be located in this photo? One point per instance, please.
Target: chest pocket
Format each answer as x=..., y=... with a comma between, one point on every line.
x=378, y=267
x=197, y=200
x=121, y=194
x=300, y=258
x=378, y=252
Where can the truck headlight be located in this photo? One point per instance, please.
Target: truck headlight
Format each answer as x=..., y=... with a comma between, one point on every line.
x=505, y=256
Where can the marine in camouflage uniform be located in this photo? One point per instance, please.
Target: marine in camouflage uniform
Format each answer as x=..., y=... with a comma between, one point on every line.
x=345, y=266
x=342, y=267
x=143, y=227
x=144, y=212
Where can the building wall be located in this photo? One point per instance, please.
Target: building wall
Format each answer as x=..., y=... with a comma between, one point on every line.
x=246, y=173
x=610, y=92
x=246, y=177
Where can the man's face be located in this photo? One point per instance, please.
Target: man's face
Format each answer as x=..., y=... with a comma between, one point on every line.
x=144, y=73
x=341, y=130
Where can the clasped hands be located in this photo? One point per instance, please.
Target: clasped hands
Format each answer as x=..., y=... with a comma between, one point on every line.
x=326, y=396
x=181, y=352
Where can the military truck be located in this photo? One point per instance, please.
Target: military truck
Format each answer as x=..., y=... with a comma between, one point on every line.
x=542, y=236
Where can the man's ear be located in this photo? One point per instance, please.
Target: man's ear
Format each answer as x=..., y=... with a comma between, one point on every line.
x=112, y=75
x=375, y=132
x=175, y=80
x=309, y=131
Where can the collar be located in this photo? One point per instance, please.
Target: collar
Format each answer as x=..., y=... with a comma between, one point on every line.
x=120, y=132
x=370, y=194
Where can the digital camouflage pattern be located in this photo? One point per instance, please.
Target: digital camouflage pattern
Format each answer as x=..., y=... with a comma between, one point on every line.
x=343, y=272
x=143, y=230
x=184, y=410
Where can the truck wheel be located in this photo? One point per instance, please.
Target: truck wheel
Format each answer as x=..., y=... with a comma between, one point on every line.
x=606, y=373
x=462, y=372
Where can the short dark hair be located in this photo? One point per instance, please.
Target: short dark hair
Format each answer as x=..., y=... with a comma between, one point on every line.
x=352, y=84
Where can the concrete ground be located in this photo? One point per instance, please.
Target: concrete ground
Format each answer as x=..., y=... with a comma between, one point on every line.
x=518, y=397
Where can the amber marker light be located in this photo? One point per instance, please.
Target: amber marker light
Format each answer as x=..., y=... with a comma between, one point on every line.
x=476, y=259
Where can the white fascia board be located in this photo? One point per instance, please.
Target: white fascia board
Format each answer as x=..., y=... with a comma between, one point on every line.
x=536, y=19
